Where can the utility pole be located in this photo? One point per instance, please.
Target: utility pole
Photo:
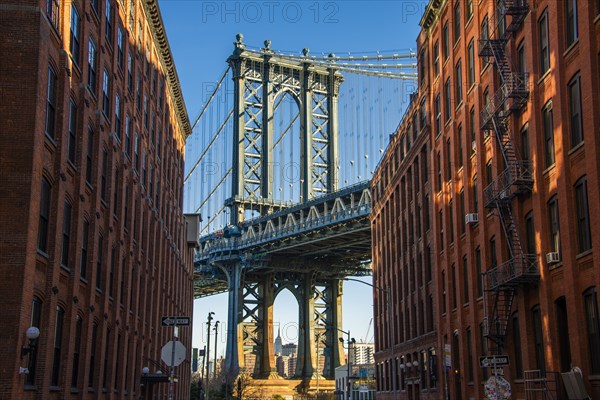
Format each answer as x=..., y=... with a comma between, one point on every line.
x=207, y=358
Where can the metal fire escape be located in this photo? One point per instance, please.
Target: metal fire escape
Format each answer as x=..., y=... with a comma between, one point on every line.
x=501, y=281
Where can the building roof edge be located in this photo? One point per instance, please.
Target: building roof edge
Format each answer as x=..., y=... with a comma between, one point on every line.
x=159, y=35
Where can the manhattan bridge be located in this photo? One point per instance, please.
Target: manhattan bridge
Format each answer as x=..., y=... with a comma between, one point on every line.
x=282, y=153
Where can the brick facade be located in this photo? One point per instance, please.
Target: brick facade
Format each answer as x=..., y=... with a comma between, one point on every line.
x=93, y=245
x=465, y=159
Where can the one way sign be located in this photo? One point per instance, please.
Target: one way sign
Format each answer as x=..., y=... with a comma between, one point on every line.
x=493, y=361
x=171, y=321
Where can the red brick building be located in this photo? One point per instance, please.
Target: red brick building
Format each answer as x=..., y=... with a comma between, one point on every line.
x=93, y=247
x=511, y=91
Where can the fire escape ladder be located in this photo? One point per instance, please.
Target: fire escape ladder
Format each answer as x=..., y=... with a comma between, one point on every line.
x=501, y=281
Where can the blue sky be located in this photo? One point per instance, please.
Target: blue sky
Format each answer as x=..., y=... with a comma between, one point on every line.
x=201, y=35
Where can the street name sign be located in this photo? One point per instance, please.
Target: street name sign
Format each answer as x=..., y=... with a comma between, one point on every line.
x=493, y=361
x=171, y=321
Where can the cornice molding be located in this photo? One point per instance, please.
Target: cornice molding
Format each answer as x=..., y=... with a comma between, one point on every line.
x=159, y=36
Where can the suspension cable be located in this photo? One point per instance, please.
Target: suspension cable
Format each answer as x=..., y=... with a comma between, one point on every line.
x=208, y=147
x=211, y=97
x=212, y=219
x=214, y=190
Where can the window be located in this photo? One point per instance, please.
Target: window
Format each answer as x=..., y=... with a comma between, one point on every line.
x=500, y=18
x=53, y=12
x=58, y=332
x=471, y=62
x=538, y=339
x=525, y=143
x=422, y=64
x=448, y=108
x=554, y=230
x=103, y=176
x=465, y=271
x=575, y=116
x=92, y=65
x=113, y=256
x=462, y=211
x=469, y=355
x=544, y=44
x=89, y=156
x=93, y=360
x=562, y=324
x=118, y=116
x=72, y=129
x=443, y=292
x=473, y=130
x=127, y=135
x=548, y=126
x=451, y=218
x=108, y=30
x=593, y=328
x=446, y=44
x=479, y=272
x=475, y=196
x=76, y=351
x=521, y=61
x=458, y=83
x=459, y=138
x=120, y=53
x=136, y=152
x=106, y=93
x=99, y=262
x=493, y=257
x=74, y=45
x=51, y=103
x=516, y=339
x=489, y=175
x=439, y=172
x=485, y=34
x=42, y=243
x=456, y=21
x=469, y=10
x=584, y=239
x=529, y=234
x=106, y=355
x=129, y=72
x=436, y=55
x=36, y=320
x=454, y=292
x=66, y=234
x=438, y=115
x=448, y=160
x=441, y=226
x=422, y=114
x=571, y=21
x=146, y=111
x=84, y=246
x=430, y=313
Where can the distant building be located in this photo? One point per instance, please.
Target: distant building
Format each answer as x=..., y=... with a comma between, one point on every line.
x=282, y=364
x=288, y=349
x=292, y=362
x=362, y=353
x=362, y=382
x=278, y=342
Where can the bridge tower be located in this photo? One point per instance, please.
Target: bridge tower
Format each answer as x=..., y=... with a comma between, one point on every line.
x=260, y=78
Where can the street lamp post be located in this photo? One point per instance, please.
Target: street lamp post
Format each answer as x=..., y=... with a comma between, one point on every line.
x=207, y=358
x=391, y=327
x=349, y=342
x=216, y=335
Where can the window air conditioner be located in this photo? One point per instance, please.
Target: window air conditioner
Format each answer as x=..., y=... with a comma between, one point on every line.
x=552, y=258
x=471, y=218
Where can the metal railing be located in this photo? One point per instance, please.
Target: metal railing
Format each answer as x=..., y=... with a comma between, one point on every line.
x=520, y=269
x=517, y=173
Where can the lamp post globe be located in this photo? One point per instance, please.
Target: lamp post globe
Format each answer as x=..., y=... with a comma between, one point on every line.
x=32, y=333
x=145, y=371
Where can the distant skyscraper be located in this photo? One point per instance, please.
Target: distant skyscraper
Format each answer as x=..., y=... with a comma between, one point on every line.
x=288, y=349
x=278, y=342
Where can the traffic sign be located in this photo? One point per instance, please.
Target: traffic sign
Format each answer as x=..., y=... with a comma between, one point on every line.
x=447, y=356
x=170, y=321
x=173, y=353
x=493, y=361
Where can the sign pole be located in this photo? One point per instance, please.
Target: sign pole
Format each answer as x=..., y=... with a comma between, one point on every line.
x=172, y=373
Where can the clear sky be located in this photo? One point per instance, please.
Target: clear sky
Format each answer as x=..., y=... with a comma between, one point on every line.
x=201, y=35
